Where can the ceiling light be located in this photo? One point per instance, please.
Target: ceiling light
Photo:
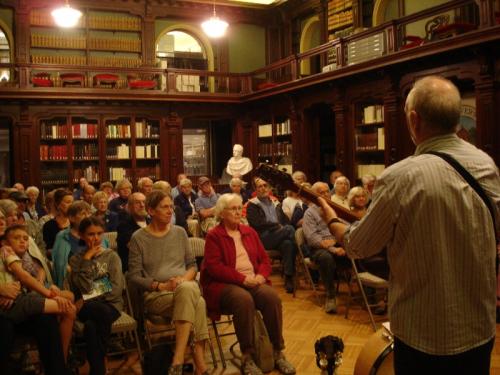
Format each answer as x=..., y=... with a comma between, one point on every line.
x=66, y=16
x=214, y=27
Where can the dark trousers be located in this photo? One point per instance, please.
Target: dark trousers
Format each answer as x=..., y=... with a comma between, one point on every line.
x=242, y=303
x=409, y=361
x=45, y=329
x=283, y=240
x=98, y=316
x=327, y=265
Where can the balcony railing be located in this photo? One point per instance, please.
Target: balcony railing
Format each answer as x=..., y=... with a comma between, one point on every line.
x=409, y=36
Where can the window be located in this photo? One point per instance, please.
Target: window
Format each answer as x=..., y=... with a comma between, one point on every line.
x=195, y=151
x=178, y=49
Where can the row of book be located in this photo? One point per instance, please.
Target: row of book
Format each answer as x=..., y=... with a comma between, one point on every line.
x=115, y=61
x=115, y=44
x=371, y=141
x=85, y=152
x=339, y=20
x=41, y=17
x=118, y=152
x=54, y=152
x=338, y=5
x=282, y=148
x=56, y=41
x=85, y=130
x=59, y=59
x=147, y=151
x=145, y=129
x=373, y=114
x=53, y=130
x=282, y=128
x=91, y=173
x=54, y=176
x=116, y=174
x=118, y=131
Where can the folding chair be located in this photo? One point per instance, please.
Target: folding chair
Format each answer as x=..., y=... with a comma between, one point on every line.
x=218, y=336
x=367, y=279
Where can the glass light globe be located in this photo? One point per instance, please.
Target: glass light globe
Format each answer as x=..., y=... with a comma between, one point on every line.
x=66, y=16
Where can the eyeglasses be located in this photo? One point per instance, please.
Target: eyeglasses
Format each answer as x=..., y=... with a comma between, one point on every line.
x=234, y=209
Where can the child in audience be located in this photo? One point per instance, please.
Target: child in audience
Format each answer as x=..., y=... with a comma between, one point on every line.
x=37, y=297
x=96, y=276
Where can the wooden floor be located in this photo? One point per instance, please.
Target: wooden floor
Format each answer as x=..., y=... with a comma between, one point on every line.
x=305, y=322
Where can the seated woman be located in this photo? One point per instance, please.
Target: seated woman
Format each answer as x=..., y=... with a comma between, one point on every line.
x=96, y=276
x=162, y=264
x=357, y=200
x=62, y=200
x=100, y=202
x=341, y=189
x=234, y=280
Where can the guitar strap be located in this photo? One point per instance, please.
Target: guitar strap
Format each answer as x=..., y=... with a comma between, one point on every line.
x=473, y=183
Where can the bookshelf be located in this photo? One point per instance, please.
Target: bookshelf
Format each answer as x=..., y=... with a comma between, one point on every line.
x=340, y=22
x=369, y=139
x=147, y=148
x=104, y=39
x=274, y=143
x=118, y=146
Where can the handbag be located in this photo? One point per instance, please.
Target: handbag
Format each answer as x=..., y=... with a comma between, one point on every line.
x=263, y=355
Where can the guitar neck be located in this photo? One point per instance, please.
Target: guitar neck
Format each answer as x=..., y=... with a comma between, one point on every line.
x=341, y=211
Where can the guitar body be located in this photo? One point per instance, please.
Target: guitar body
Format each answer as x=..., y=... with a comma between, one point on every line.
x=376, y=357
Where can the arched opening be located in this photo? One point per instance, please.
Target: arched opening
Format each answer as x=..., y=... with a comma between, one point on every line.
x=310, y=37
x=185, y=47
x=6, y=51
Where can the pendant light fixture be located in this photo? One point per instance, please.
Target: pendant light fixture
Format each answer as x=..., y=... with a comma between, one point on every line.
x=214, y=27
x=66, y=16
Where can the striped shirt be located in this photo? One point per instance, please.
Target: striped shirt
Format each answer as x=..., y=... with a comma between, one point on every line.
x=440, y=246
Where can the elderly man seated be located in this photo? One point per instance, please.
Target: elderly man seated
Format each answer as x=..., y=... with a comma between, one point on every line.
x=205, y=204
x=265, y=215
x=324, y=252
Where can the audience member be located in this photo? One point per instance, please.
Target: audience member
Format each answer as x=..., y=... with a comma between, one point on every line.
x=265, y=215
x=118, y=204
x=100, y=203
x=62, y=200
x=93, y=268
x=368, y=182
x=77, y=193
x=333, y=177
x=357, y=200
x=145, y=185
x=185, y=200
x=34, y=208
x=135, y=218
x=324, y=252
x=50, y=207
x=205, y=204
x=162, y=264
x=177, y=189
x=237, y=186
x=67, y=241
x=299, y=177
x=41, y=298
x=163, y=186
x=341, y=186
x=88, y=195
x=108, y=188
x=18, y=186
x=235, y=282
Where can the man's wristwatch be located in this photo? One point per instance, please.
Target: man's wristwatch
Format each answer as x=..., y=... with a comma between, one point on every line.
x=333, y=220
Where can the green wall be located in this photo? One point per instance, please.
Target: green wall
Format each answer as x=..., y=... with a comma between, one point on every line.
x=247, y=48
x=7, y=16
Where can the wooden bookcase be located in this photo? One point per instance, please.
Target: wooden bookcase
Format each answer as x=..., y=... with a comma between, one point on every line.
x=274, y=143
x=369, y=138
x=104, y=39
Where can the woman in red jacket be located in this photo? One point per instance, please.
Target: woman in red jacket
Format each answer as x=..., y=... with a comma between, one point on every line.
x=235, y=282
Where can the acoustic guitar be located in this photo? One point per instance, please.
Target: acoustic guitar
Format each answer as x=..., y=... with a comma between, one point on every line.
x=376, y=357
x=283, y=181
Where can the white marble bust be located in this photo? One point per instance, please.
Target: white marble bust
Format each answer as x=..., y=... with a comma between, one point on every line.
x=238, y=165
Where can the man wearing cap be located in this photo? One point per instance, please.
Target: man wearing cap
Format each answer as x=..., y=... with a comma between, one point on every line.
x=205, y=204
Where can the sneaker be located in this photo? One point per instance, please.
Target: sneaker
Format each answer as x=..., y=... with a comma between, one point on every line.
x=289, y=285
x=248, y=367
x=331, y=305
x=283, y=366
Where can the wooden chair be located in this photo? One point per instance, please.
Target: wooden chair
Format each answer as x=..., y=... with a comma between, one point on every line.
x=72, y=79
x=105, y=80
x=42, y=79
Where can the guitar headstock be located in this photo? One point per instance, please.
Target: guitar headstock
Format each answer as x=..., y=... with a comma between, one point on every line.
x=278, y=179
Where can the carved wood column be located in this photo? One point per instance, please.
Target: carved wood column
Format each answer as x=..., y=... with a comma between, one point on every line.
x=148, y=40
x=393, y=130
x=25, y=153
x=343, y=140
x=22, y=37
x=488, y=132
x=171, y=143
